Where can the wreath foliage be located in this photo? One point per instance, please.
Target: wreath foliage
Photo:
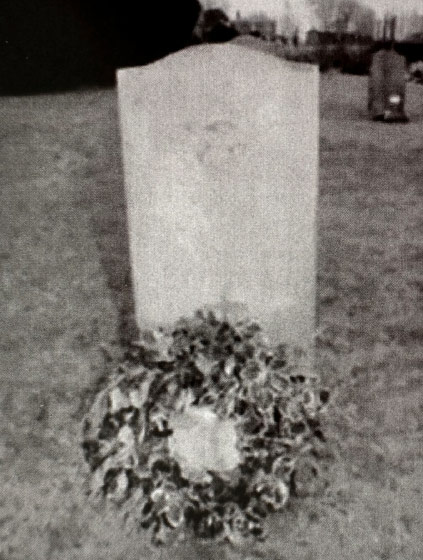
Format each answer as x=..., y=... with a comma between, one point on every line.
x=202, y=364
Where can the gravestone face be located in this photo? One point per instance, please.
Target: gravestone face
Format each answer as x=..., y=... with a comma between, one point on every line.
x=387, y=83
x=220, y=148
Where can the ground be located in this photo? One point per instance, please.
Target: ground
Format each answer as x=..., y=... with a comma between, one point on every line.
x=67, y=305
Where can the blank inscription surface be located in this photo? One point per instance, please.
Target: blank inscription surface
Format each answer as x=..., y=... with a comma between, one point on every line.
x=220, y=149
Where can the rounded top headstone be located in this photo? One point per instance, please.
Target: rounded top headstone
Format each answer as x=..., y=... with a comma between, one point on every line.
x=220, y=148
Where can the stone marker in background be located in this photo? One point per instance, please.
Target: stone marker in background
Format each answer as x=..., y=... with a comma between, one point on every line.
x=387, y=83
x=220, y=148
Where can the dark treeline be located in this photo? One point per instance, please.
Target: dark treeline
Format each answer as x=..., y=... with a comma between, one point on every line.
x=411, y=51
x=48, y=45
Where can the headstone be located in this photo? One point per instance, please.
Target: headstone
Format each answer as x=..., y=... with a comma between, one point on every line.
x=387, y=84
x=220, y=147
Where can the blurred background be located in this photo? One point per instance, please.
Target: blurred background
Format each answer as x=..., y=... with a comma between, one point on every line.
x=48, y=45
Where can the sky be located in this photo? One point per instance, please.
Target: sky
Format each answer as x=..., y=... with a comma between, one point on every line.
x=275, y=7
x=304, y=14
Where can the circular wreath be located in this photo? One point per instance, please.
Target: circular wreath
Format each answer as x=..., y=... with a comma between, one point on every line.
x=203, y=427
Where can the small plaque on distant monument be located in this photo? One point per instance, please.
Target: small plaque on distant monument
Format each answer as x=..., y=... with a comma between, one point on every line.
x=387, y=84
x=220, y=147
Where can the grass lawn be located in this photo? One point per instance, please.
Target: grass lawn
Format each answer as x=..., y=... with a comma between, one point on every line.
x=66, y=296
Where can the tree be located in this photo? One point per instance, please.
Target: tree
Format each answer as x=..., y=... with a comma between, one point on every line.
x=347, y=9
x=326, y=12
x=213, y=24
x=213, y=4
x=290, y=22
x=365, y=22
x=345, y=15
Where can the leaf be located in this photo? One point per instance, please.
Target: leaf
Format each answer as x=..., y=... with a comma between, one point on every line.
x=93, y=420
x=283, y=466
x=184, y=401
x=273, y=492
x=119, y=493
x=174, y=514
x=204, y=364
x=138, y=397
x=126, y=454
x=158, y=417
x=97, y=482
x=155, y=347
x=230, y=364
x=117, y=400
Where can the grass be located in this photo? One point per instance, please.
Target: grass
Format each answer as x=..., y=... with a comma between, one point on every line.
x=66, y=295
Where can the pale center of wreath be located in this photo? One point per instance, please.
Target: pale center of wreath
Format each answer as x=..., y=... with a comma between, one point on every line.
x=202, y=442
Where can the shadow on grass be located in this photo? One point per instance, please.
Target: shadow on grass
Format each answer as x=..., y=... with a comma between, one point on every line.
x=104, y=197
x=111, y=233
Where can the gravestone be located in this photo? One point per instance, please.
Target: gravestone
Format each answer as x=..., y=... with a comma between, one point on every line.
x=387, y=84
x=220, y=149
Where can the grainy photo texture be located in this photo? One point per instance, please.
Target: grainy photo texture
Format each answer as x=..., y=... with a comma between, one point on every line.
x=211, y=254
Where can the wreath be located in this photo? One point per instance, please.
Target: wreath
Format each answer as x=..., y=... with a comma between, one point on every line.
x=202, y=428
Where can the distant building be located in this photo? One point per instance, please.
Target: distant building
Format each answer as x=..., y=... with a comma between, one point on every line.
x=262, y=27
x=315, y=38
